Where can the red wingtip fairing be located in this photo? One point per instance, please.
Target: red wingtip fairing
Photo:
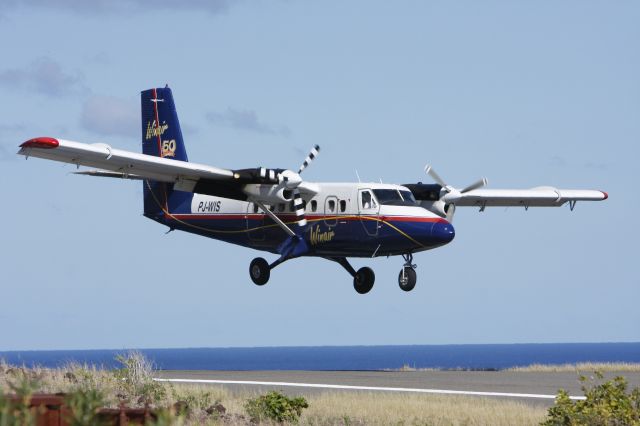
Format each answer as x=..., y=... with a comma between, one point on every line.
x=42, y=142
x=605, y=195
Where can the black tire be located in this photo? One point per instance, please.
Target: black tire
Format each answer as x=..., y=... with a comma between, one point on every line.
x=410, y=279
x=364, y=279
x=259, y=271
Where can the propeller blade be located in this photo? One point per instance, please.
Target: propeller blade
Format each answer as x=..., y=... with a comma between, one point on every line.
x=269, y=175
x=478, y=184
x=312, y=154
x=298, y=207
x=429, y=170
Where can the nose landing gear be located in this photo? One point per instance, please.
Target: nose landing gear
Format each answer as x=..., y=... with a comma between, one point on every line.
x=407, y=278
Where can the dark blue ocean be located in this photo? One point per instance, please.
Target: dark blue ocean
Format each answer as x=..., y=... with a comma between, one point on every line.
x=472, y=357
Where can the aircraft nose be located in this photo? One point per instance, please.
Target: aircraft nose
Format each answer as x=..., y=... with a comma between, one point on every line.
x=443, y=232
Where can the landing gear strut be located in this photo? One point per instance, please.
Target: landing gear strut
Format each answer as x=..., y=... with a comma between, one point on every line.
x=362, y=280
x=407, y=278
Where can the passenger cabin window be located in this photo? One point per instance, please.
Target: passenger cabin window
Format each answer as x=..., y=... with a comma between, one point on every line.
x=343, y=206
x=255, y=208
x=314, y=205
x=331, y=206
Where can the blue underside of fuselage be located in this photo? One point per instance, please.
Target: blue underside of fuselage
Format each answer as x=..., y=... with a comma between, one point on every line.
x=348, y=236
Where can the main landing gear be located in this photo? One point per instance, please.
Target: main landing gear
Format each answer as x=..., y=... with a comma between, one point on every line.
x=407, y=277
x=259, y=271
x=363, y=278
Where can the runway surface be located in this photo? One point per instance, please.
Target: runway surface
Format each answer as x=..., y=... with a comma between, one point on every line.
x=534, y=387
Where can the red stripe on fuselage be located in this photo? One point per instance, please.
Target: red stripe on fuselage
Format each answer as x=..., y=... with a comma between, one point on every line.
x=292, y=217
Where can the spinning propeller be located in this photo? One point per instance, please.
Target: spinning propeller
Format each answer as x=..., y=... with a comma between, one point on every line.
x=452, y=195
x=292, y=180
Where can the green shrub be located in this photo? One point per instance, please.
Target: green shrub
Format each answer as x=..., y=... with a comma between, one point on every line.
x=18, y=412
x=275, y=406
x=83, y=406
x=606, y=404
x=135, y=380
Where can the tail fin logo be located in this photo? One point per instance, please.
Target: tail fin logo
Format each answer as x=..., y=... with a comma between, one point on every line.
x=154, y=129
x=169, y=148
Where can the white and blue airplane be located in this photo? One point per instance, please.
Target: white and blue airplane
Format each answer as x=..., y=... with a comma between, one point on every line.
x=274, y=210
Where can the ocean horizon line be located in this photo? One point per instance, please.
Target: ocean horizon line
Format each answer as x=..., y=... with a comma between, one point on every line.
x=331, y=346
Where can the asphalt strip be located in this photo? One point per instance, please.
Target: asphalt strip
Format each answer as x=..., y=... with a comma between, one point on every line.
x=366, y=388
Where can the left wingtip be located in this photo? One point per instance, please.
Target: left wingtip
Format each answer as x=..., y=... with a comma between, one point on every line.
x=605, y=195
x=41, y=142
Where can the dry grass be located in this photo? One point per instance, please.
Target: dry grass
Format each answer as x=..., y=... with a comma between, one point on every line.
x=347, y=408
x=580, y=367
x=330, y=408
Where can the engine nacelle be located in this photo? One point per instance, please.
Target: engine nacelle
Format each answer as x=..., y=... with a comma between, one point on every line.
x=438, y=207
x=429, y=197
x=268, y=194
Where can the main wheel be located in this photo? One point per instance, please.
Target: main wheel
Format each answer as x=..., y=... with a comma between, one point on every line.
x=407, y=281
x=364, y=279
x=259, y=271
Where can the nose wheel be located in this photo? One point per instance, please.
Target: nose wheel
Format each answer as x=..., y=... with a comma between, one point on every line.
x=407, y=278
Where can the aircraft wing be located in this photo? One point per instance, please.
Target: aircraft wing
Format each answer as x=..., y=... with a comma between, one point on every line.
x=186, y=176
x=122, y=163
x=544, y=196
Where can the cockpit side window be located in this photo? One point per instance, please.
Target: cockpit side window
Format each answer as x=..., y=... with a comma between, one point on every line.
x=366, y=200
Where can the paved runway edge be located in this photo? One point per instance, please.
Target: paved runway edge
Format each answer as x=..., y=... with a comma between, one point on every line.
x=365, y=388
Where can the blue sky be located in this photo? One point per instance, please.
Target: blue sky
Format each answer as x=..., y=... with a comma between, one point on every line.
x=524, y=93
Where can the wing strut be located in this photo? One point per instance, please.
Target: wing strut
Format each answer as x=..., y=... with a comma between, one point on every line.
x=275, y=218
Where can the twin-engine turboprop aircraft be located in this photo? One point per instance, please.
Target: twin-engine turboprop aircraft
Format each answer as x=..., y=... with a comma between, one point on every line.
x=276, y=211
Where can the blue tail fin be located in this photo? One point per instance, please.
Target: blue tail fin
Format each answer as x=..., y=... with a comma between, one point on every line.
x=161, y=134
x=162, y=137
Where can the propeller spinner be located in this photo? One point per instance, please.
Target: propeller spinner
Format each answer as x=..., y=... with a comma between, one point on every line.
x=291, y=180
x=452, y=195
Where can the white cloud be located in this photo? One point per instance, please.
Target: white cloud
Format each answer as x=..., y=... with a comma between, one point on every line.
x=107, y=115
x=45, y=76
x=99, y=7
x=244, y=119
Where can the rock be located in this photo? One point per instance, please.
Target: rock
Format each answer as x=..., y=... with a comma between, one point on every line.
x=181, y=407
x=216, y=408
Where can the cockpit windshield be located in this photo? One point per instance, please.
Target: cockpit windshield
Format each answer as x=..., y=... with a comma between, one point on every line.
x=393, y=197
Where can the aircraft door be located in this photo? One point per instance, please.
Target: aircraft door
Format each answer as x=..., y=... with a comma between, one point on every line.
x=368, y=209
x=255, y=222
x=330, y=211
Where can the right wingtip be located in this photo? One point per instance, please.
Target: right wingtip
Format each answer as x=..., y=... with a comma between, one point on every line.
x=605, y=195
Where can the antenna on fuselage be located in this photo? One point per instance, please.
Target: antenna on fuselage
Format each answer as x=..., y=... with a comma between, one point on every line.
x=359, y=181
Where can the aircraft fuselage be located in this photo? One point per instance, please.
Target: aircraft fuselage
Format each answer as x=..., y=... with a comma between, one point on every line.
x=344, y=219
